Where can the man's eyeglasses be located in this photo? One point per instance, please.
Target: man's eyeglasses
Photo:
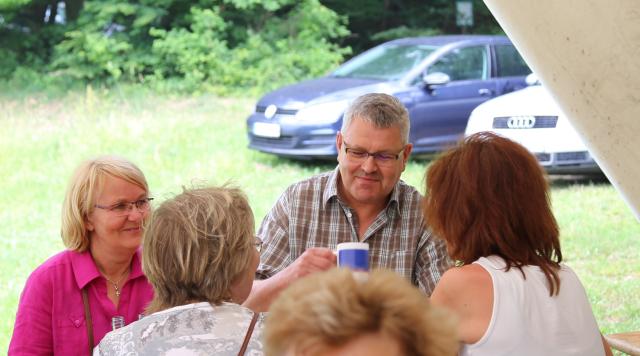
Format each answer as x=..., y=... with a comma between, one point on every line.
x=125, y=208
x=357, y=155
x=258, y=243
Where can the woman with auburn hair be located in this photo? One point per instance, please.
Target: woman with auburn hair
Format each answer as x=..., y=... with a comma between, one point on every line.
x=489, y=200
x=339, y=312
x=72, y=300
x=200, y=254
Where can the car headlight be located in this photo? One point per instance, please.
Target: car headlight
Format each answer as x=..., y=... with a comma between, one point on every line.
x=324, y=113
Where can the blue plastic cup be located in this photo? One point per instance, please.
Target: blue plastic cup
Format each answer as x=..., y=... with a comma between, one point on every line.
x=353, y=255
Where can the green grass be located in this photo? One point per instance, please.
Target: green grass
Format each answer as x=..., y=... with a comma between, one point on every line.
x=179, y=141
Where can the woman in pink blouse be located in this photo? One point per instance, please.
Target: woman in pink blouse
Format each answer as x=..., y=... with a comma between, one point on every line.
x=69, y=302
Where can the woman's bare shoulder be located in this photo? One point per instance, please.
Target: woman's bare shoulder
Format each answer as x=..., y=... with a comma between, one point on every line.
x=460, y=283
x=467, y=291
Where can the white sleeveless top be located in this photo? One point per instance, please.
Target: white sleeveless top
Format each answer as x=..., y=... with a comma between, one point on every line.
x=527, y=321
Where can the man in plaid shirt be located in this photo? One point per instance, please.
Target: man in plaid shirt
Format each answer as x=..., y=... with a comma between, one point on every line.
x=363, y=199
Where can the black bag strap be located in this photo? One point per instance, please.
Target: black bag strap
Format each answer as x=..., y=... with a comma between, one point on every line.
x=247, y=337
x=87, y=318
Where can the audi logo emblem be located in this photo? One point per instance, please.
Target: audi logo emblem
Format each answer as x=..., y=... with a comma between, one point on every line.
x=521, y=122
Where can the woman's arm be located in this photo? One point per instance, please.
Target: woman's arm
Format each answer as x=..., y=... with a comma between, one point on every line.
x=32, y=332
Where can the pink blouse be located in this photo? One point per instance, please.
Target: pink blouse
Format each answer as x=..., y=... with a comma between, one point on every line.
x=50, y=318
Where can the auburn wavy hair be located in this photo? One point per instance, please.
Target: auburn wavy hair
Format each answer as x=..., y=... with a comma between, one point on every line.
x=489, y=196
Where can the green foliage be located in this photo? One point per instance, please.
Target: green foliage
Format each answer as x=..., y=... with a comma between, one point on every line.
x=270, y=5
x=404, y=31
x=94, y=56
x=280, y=42
x=374, y=21
x=224, y=46
x=194, y=55
x=286, y=49
x=109, y=42
x=12, y=4
x=8, y=62
x=21, y=46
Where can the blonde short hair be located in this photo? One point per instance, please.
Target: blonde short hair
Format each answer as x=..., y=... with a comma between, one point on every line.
x=196, y=245
x=83, y=190
x=329, y=309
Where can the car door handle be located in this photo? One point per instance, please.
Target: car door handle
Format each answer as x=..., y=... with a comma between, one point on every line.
x=484, y=92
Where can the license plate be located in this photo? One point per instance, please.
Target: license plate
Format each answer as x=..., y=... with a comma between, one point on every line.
x=264, y=129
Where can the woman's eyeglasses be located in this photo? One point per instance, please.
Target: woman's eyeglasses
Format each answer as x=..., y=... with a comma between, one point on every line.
x=124, y=208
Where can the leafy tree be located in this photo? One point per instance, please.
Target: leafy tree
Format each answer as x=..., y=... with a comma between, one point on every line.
x=374, y=21
x=219, y=45
x=110, y=40
x=239, y=44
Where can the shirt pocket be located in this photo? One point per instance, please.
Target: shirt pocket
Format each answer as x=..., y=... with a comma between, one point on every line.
x=72, y=321
x=400, y=261
x=71, y=334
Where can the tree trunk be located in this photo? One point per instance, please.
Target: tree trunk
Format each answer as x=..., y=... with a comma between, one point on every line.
x=73, y=8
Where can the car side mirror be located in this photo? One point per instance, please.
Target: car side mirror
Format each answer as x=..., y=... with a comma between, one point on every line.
x=435, y=79
x=532, y=79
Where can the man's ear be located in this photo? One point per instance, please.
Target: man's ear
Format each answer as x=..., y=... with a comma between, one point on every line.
x=407, y=152
x=338, y=145
x=405, y=155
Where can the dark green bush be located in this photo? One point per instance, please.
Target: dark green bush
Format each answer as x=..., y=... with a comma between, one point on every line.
x=223, y=46
x=276, y=42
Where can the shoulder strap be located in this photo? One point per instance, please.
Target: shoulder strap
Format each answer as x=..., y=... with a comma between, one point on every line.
x=87, y=318
x=247, y=337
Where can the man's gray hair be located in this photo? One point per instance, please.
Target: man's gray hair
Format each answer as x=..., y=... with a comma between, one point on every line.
x=381, y=110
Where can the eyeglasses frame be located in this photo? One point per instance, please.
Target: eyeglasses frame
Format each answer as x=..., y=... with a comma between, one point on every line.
x=371, y=154
x=130, y=206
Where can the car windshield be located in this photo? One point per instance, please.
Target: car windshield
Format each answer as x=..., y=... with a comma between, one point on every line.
x=390, y=62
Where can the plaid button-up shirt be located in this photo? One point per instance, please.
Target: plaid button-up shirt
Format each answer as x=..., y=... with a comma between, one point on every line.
x=311, y=214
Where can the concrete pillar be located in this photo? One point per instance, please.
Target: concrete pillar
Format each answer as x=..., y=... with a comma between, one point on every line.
x=587, y=54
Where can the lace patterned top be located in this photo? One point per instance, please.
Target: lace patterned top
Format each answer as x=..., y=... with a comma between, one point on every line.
x=192, y=329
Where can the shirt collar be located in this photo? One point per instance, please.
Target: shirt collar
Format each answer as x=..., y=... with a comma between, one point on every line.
x=332, y=191
x=332, y=186
x=85, y=269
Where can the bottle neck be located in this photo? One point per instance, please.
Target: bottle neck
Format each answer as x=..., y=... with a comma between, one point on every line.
x=117, y=322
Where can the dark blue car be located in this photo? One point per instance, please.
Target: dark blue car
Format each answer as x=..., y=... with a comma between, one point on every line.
x=439, y=79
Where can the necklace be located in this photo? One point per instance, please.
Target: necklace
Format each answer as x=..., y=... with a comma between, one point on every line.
x=116, y=283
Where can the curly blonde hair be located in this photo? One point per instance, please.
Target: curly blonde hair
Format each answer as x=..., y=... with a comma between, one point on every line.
x=329, y=309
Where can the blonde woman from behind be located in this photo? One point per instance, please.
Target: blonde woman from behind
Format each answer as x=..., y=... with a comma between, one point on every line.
x=341, y=313
x=200, y=255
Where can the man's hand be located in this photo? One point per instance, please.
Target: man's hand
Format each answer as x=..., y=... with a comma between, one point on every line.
x=315, y=259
